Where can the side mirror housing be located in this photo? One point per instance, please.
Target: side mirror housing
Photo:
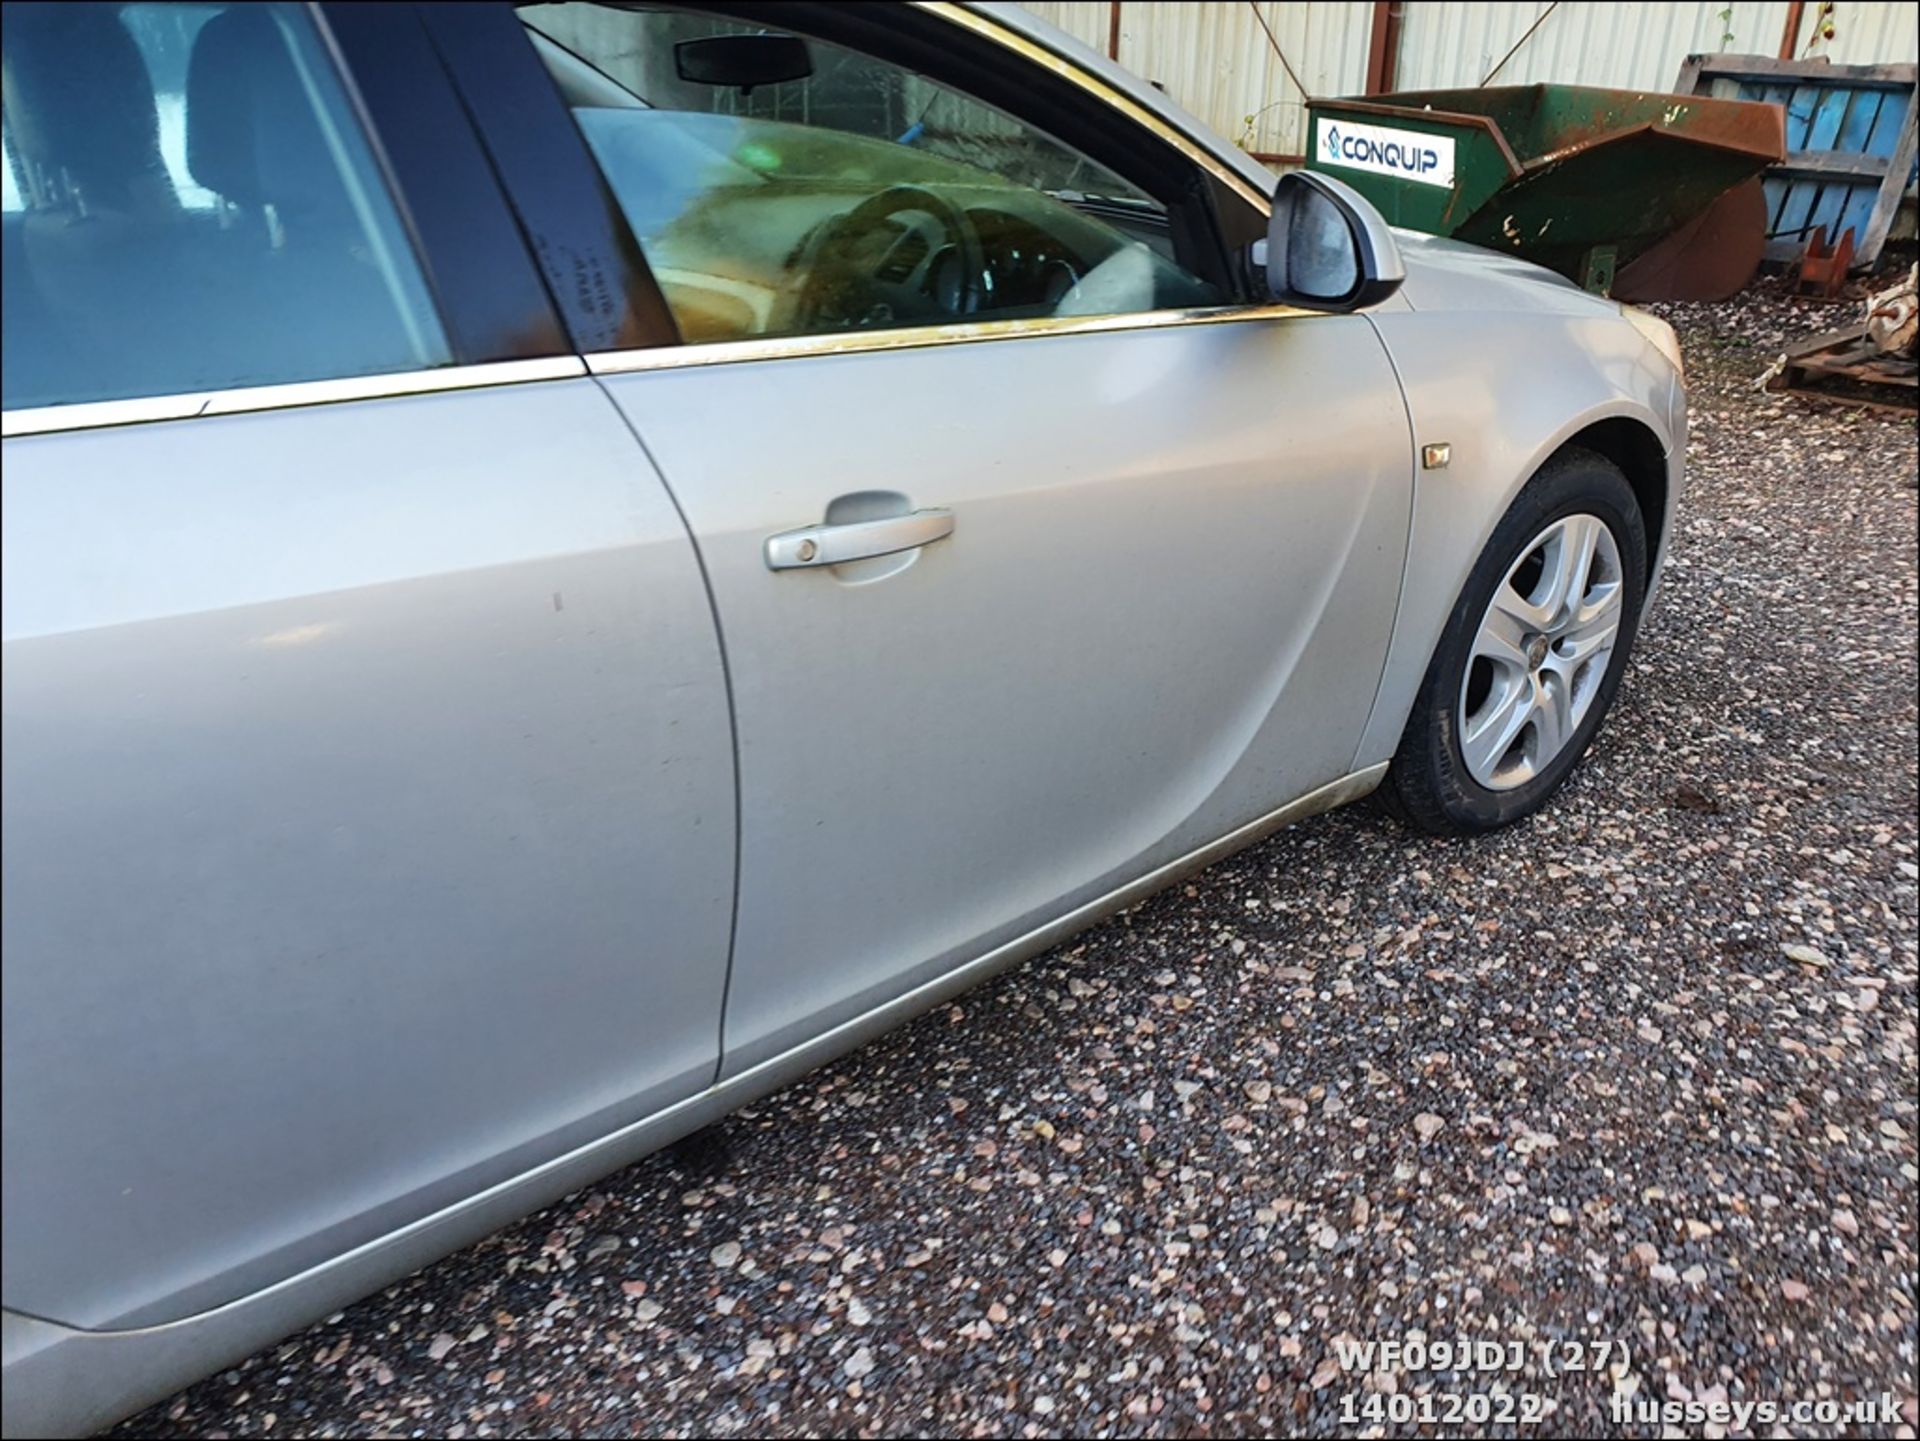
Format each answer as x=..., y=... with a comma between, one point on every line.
x=1326, y=247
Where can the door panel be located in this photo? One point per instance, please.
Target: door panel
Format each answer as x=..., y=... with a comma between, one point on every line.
x=368, y=829
x=1161, y=612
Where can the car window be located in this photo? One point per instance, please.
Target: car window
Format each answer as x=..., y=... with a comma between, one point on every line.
x=190, y=205
x=783, y=188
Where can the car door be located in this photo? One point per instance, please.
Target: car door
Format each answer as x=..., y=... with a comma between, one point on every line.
x=1127, y=548
x=369, y=810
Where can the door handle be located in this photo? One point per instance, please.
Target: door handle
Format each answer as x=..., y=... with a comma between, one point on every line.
x=818, y=545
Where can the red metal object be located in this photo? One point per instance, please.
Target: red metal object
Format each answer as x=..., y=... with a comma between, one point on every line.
x=1113, y=31
x=1383, y=46
x=1822, y=269
x=1711, y=257
x=1790, y=36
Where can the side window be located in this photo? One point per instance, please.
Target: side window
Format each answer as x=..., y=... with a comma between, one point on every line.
x=786, y=186
x=190, y=205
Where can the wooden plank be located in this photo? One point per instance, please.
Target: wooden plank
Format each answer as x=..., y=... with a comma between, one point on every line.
x=1775, y=189
x=1689, y=81
x=1826, y=340
x=1763, y=67
x=1796, y=216
x=1800, y=108
x=1846, y=354
x=1832, y=164
x=1866, y=373
x=1829, y=109
x=1891, y=185
x=1883, y=137
x=1862, y=112
x=1829, y=207
x=1810, y=393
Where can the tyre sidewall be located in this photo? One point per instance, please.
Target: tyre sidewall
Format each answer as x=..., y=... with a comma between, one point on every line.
x=1574, y=483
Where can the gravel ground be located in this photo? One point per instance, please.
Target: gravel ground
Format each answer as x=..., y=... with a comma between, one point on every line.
x=1640, y=1071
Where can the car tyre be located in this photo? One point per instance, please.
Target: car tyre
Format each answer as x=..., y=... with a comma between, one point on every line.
x=1526, y=669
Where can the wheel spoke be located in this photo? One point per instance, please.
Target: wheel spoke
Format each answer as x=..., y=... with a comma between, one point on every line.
x=1592, y=630
x=1552, y=718
x=1489, y=736
x=1572, y=562
x=1509, y=603
x=1502, y=637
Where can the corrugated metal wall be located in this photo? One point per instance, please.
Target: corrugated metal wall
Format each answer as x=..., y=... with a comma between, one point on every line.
x=1215, y=59
x=1626, y=47
x=1085, y=20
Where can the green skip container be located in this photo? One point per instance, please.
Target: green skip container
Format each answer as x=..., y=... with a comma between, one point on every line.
x=1579, y=179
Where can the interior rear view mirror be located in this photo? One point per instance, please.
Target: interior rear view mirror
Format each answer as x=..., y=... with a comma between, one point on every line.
x=743, y=61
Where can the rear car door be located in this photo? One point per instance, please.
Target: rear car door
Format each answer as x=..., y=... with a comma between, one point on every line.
x=1127, y=547
x=369, y=812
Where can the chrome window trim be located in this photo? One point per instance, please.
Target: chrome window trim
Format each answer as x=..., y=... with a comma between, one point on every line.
x=242, y=400
x=919, y=337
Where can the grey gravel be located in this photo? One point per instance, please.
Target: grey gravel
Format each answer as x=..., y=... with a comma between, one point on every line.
x=1640, y=1070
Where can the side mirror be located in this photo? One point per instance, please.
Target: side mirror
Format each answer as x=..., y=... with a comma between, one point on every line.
x=1326, y=247
x=742, y=61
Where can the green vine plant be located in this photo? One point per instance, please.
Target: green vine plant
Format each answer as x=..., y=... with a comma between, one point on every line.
x=1250, y=123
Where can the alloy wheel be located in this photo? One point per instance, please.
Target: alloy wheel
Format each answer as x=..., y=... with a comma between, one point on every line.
x=1541, y=652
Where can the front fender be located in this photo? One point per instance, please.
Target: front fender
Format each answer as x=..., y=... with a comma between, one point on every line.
x=1504, y=390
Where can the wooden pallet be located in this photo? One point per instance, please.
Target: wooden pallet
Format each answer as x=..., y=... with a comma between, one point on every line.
x=1839, y=364
x=1853, y=132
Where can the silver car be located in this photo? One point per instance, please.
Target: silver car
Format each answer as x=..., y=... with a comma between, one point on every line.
x=566, y=563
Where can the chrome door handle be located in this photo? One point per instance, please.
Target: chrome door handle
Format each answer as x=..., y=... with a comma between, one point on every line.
x=818, y=545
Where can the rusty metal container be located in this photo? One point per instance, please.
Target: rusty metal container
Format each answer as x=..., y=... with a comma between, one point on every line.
x=1579, y=179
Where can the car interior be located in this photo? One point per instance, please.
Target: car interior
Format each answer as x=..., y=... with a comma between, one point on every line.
x=845, y=192
x=183, y=207
x=194, y=209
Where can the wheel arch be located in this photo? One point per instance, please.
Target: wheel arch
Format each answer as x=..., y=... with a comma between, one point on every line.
x=1632, y=445
x=1513, y=428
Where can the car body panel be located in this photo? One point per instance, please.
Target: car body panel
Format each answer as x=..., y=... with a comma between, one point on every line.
x=64, y=1381
x=1556, y=361
x=1020, y=699
x=370, y=775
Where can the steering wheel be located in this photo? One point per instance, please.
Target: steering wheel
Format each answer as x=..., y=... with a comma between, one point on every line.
x=856, y=278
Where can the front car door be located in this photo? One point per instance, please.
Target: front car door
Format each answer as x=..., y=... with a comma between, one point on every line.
x=937, y=295
x=368, y=783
